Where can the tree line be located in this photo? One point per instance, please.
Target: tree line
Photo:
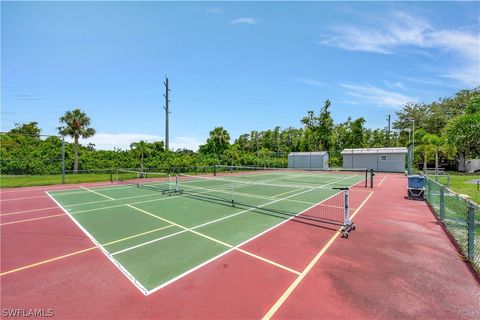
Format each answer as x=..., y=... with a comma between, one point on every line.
x=448, y=129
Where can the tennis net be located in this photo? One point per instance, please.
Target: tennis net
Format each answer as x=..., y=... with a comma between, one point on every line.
x=336, y=177
x=161, y=181
x=312, y=204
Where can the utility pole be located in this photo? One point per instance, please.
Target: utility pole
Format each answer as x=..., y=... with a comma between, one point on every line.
x=388, y=131
x=167, y=111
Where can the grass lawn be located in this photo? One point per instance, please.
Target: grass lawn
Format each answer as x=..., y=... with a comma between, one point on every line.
x=16, y=181
x=458, y=183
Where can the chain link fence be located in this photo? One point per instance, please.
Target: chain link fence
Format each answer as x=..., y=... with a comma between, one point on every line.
x=461, y=217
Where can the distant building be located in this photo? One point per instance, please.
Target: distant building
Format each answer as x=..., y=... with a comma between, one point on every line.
x=378, y=159
x=308, y=160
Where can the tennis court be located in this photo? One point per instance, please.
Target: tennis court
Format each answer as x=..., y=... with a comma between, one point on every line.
x=158, y=227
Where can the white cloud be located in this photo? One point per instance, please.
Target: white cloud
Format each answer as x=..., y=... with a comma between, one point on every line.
x=402, y=30
x=109, y=141
x=244, y=20
x=396, y=84
x=377, y=96
x=186, y=142
x=309, y=82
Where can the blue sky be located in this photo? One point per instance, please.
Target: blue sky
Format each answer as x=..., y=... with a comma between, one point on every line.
x=243, y=66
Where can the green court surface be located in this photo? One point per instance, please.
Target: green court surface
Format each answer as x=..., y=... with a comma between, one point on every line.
x=156, y=232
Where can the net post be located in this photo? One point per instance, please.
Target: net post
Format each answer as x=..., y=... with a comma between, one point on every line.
x=63, y=159
x=214, y=170
x=176, y=183
x=442, y=203
x=233, y=199
x=346, y=208
x=366, y=178
x=372, y=173
x=111, y=175
x=471, y=229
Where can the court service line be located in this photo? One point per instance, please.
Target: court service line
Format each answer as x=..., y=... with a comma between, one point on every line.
x=309, y=267
x=14, y=199
x=218, y=241
x=82, y=251
x=98, y=193
x=230, y=250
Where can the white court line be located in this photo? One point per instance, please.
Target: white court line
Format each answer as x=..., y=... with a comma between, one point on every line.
x=380, y=183
x=129, y=276
x=133, y=279
x=230, y=250
x=200, y=225
x=309, y=267
x=98, y=193
x=218, y=241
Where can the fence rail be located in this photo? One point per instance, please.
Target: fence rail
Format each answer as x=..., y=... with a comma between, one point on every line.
x=461, y=217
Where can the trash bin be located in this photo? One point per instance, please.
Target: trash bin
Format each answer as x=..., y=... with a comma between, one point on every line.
x=415, y=188
x=416, y=181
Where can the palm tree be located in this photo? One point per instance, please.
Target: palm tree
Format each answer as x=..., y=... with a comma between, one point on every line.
x=141, y=149
x=437, y=145
x=428, y=148
x=76, y=124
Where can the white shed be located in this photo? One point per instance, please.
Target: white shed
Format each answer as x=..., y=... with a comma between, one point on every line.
x=378, y=159
x=308, y=160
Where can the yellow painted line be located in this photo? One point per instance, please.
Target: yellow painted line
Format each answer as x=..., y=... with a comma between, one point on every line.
x=217, y=241
x=98, y=193
x=14, y=199
x=309, y=267
x=33, y=219
x=380, y=183
x=136, y=235
x=268, y=261
x=28, y=211
x=46, y=261
x=81, y=251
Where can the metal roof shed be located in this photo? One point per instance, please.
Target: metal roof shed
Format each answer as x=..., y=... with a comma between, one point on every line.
x=378, y=159
x=308, y=160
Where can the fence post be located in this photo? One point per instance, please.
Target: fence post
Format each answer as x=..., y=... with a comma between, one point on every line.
x=471, y=230
x=429, y=190
x=442, y=203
